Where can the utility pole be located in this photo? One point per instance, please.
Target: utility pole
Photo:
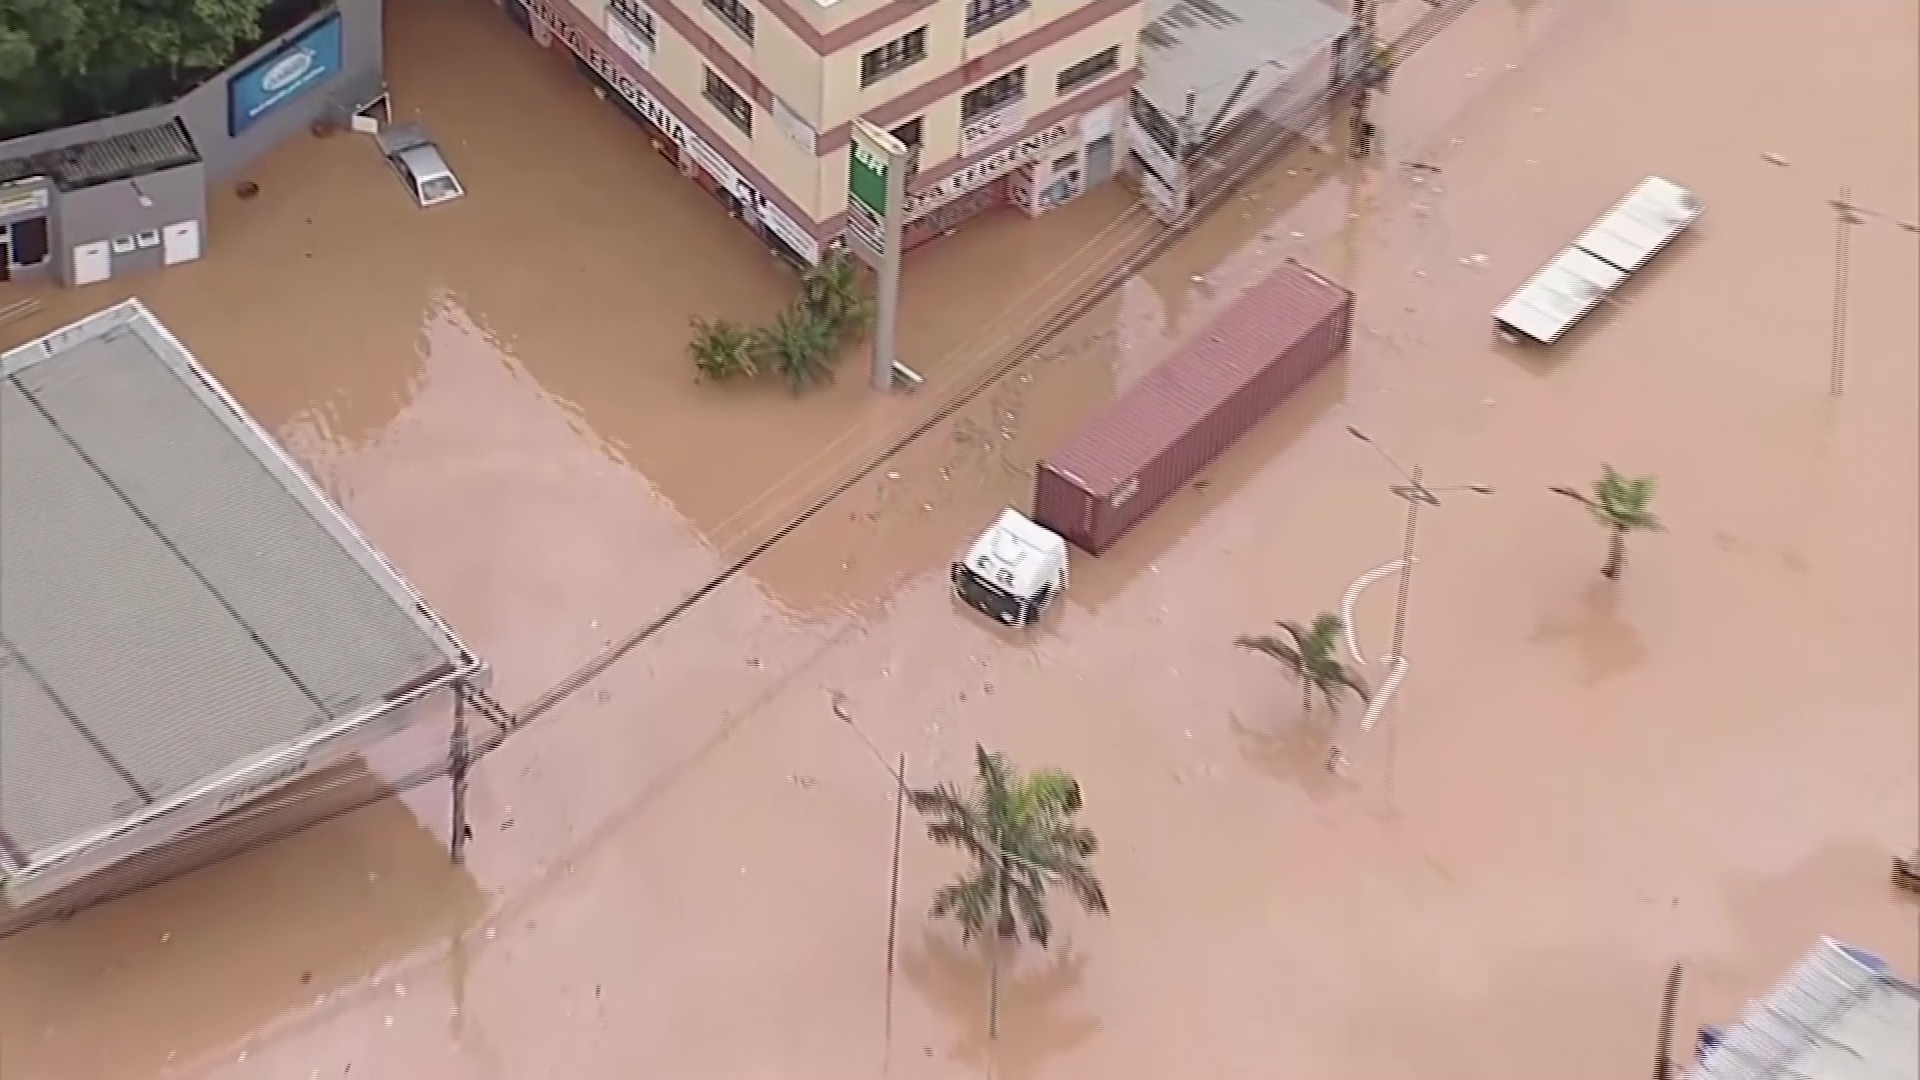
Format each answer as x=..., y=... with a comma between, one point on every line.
x=1359, y=57
x=1417, y=494
x=459, y=758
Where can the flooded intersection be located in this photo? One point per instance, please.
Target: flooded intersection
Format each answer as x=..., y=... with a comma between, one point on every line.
x=684, y=868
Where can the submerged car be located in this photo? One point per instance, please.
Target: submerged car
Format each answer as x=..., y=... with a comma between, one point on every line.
x=421, y=167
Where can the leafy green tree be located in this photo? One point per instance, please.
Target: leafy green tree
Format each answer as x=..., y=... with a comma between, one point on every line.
x=1019, y=832
x=832, y=292
x=64, y=61
x=799, y=347
x=1620, y=504
x=1311, y=654
x=722, y=349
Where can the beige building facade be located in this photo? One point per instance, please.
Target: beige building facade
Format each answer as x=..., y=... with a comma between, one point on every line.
x=1003, y=102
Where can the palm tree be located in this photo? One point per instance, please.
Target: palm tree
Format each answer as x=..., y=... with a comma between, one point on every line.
x=1311, y=655
x=1619, y=504
x=799, y=345
x=721, y=350
x=1019, y=832
x=832, y=293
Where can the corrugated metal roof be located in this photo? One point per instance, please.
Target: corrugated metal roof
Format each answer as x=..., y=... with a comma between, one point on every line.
x=136, y=153
x=101, y=161
x=1558, y=296
x=1839, y=1016
x=1638, y=226
x=174, y=598
x=1205, y=374
x=1206, y=47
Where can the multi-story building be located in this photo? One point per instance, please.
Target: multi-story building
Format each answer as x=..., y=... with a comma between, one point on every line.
x=1002, y=102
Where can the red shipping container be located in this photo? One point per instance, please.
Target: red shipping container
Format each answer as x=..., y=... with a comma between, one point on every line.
x=1196, y=403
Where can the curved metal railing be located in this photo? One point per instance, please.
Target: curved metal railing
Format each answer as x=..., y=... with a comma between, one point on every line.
x=1396, y=665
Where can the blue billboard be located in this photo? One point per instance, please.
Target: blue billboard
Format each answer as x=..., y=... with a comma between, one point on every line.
x=284, y=74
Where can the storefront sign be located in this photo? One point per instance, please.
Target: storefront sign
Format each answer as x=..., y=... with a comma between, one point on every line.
x=995, y=127
x=989, y=168
x=29, y=201
x=867, y=176
x=651, y=110
x=873, y=157
x=284, y=74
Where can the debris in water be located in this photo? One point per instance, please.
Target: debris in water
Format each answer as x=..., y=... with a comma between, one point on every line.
x=1199, y=279
x=389, y=1021
x=164, y=938
x=1421, y=166
x=1476, y=260
x=1297, y=235
x=802, y=780
x=1486, y=401
x=1775, y=159
x=1539, y=110
x=893, y=476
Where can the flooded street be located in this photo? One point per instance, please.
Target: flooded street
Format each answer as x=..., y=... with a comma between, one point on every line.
x=682, y=871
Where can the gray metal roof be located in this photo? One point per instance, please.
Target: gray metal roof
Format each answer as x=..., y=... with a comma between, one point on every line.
x=175, y=597
x=100, y=161
x=1206, y=47
x=1839, y=1016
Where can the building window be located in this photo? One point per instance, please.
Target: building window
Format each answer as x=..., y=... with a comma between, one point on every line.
x=728, y=100
x=986, y=14
x=897, y=55
x=734, y=13
x=637, y=19
x=989, y=96
x=1087, y=70
x=911, y=134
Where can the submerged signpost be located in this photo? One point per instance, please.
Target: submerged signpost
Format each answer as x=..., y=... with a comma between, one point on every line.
x=876, y=219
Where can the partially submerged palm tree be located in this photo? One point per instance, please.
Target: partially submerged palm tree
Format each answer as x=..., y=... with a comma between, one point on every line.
x=832, y=293
x=1310, y=654
x=799, y=346
x=1619, y=504
x=1020, y=833
x=722, y=350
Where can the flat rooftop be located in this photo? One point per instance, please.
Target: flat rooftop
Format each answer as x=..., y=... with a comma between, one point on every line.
x=181, y=609
x=1840, y=1016
x=1207, y=47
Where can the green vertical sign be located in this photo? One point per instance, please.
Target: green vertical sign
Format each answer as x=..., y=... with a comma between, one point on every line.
x=867, y=177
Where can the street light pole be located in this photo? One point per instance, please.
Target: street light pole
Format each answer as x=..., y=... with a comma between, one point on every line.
x=1416, y=493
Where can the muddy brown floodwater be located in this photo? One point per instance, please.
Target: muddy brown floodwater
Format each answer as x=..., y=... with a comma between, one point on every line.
x=682, y=871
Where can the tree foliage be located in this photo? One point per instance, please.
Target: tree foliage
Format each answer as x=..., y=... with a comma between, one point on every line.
x=802, y=344
x=1621, y=504
x=1020, y=834
x=1311, y=654
x=65, y=61
x=722, y=350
